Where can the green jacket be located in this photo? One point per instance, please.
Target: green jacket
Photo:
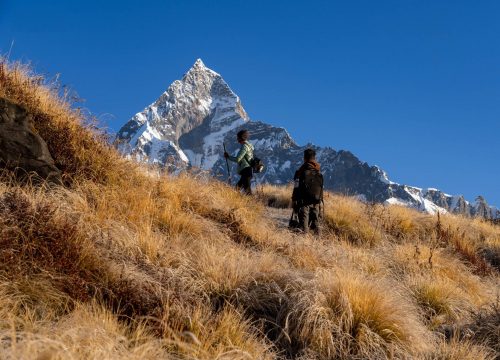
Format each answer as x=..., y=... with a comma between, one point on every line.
x=245, y=155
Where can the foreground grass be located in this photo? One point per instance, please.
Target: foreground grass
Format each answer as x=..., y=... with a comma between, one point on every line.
x=125, y=263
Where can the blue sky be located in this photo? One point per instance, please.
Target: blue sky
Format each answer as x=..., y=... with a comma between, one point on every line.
x=410, y=85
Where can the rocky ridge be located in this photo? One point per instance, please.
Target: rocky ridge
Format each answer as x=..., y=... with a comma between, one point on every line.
x=188, y=124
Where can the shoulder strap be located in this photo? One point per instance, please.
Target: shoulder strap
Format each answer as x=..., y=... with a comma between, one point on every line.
x=249, y=149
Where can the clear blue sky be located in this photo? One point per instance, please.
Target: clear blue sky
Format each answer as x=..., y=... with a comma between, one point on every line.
x=410, y=85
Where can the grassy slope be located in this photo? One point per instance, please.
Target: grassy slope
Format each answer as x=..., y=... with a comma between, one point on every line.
x=123, y=263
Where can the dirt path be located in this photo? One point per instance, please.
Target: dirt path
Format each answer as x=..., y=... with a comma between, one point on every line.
x=279, y=216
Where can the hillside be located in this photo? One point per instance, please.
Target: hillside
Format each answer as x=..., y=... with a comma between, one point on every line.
x=126, y=261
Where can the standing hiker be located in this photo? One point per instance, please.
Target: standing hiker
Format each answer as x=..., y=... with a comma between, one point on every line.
x=308, y=193
x=244, y=160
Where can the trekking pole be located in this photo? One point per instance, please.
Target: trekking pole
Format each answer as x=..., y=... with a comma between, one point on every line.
x=227, y=165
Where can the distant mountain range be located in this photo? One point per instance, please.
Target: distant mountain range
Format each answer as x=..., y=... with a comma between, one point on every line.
x=188, y=124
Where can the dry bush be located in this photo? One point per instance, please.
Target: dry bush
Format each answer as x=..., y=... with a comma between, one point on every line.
x=367, y=261
x=442, y=300
x=405, y=223
x=352, y=316
x=444, y=287
x=347, y=218
x=222, y=275
x=89, y=331
x=476, y=240
x=419, y=259
x=307, y=253
x=206, y=334
x=461, y=350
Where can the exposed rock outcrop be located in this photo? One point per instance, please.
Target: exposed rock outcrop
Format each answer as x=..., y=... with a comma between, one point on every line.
x=21, y=149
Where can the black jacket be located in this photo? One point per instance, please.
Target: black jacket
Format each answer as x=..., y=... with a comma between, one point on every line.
x=297, y=195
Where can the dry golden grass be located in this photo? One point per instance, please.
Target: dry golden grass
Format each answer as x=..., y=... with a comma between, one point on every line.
x=461, y=350
x=123, y=263
x=404, y=223
x=347, y=218
x=277, y=197
x=78, y=149
x=350, y=315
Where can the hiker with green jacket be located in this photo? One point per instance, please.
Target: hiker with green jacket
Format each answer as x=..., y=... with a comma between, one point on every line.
x=243, y=159
x=308, y=193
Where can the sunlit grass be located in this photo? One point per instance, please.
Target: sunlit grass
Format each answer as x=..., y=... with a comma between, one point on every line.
x=124, y=263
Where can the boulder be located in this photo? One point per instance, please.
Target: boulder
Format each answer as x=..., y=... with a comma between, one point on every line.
x=21, y=149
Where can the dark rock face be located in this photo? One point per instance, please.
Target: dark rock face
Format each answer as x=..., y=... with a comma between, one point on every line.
x=21, y=149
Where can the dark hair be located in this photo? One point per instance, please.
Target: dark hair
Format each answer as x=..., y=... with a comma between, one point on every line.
x=243, y=135
x=309, y=154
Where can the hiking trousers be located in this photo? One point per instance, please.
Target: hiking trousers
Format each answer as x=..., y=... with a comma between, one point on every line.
x=309, y=218
x=245, y=180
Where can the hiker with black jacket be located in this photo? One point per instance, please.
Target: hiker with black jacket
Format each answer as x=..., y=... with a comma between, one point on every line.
x=244, y=160
x=308, y=193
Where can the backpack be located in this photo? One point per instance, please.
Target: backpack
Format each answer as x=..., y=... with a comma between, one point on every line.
x=311, y=187
x=257, y=165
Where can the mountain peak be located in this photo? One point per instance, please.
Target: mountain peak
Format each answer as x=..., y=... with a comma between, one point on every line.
x=199, y=64
x=187, y=124
x=199, y=67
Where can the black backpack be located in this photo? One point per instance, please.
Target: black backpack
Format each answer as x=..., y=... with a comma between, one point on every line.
x=311, y=187
x=257, y=165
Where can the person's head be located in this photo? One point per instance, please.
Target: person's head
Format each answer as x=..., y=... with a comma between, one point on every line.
x=309, y=155
x=242, y=136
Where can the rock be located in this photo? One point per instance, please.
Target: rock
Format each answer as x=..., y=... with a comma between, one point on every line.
x=21, y=149
x=481, y=208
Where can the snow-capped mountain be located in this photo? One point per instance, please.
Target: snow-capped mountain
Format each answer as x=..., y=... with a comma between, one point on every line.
x=196, y=111
x=188, y=124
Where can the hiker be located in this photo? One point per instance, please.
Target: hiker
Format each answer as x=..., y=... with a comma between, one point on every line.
x=244, y=160
x=308, y=193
